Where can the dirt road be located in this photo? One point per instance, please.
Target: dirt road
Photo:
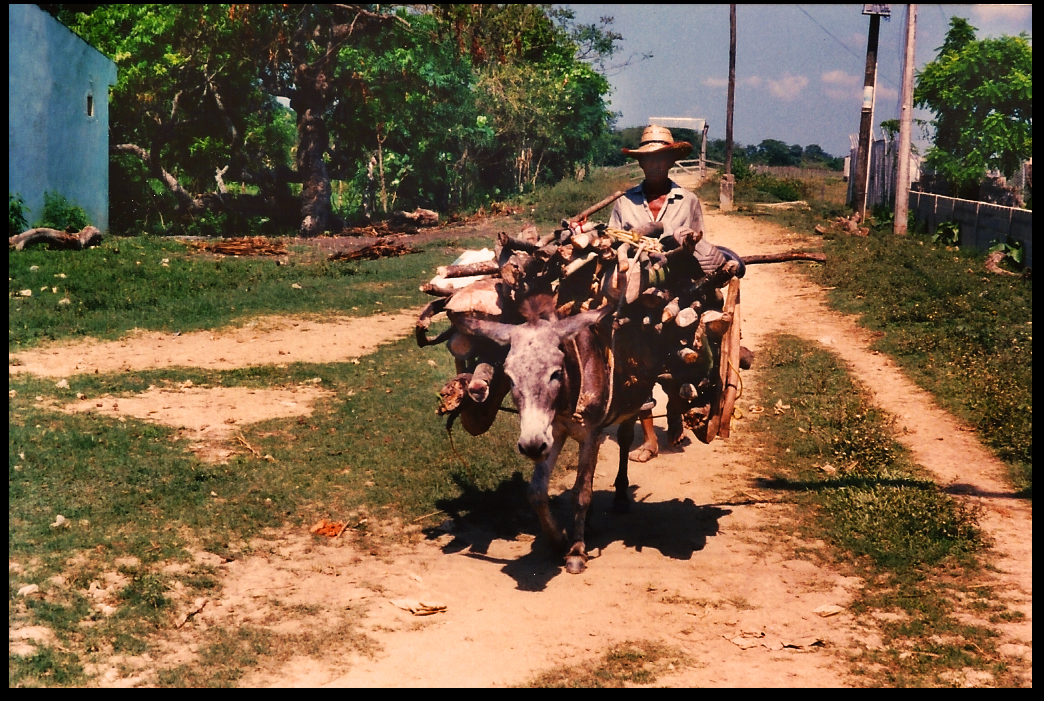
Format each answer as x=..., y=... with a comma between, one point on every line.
x=704, y=562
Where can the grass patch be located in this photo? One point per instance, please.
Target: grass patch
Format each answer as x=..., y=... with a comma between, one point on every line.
x=917, y=548
x=131, y=488
x=627, y=664
x=123, y=284
x=46, y=667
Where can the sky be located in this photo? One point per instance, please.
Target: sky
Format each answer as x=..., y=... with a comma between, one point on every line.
x=799, y=68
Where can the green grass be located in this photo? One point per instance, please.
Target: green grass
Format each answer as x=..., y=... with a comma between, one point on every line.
x=132, y=488
x=919, y=551
x=123, y=284
x=627, y=664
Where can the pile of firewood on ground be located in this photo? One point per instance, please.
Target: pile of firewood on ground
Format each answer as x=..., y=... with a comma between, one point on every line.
x=245, y=246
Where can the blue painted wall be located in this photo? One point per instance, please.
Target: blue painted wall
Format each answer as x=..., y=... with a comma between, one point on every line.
x=53, y=143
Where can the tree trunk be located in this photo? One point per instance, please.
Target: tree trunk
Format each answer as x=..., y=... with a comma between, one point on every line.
x=312, y=143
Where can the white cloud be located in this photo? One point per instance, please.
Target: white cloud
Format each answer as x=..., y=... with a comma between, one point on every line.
x=842, y=86
x=787, y=88
x=716, y=82
x=989, y=13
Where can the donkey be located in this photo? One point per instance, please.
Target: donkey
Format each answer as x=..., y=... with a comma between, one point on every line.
x=573, y=377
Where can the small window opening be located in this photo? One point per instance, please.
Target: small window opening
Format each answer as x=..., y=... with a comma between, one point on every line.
x=90, y=105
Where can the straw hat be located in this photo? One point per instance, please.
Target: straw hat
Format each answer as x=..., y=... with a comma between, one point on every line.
x=657, y=139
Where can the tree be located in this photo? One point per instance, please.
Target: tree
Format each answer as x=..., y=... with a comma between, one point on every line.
x=435, y=105
x=188, y=109
x=981, y=92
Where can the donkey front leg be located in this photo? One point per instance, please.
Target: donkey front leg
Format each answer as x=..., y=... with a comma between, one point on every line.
x=538, y=486
x=576, y=559
x=622, y=498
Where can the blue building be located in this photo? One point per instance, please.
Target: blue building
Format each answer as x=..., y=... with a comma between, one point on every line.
x=58, y=115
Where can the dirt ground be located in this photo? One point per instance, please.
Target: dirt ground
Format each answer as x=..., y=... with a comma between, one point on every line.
x=704, y=562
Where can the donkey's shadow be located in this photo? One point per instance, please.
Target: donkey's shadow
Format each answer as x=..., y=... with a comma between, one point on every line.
x=677, y=528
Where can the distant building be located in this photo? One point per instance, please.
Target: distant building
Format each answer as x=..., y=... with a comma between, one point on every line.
x=58, y=115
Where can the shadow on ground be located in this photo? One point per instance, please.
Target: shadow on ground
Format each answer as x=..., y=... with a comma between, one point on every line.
x=675, y=528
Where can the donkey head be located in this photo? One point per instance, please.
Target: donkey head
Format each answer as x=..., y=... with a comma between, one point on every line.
x=535, y=364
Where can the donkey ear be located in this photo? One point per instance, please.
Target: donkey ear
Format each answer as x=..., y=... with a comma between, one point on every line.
x=572, y=325
x=493, y=330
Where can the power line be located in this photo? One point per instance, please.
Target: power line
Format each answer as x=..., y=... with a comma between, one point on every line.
x=843, y=45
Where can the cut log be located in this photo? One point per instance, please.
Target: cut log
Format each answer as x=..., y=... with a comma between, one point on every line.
x=59, y=240
x=485, y=267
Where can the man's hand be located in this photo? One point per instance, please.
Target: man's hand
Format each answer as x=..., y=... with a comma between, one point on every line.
x=687, y=238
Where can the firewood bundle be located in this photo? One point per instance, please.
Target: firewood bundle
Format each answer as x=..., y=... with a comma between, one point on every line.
x=585, y=266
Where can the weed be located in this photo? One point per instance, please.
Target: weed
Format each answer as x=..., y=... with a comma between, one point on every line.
x=45, y=667
x=947, y=234
x=568, y=198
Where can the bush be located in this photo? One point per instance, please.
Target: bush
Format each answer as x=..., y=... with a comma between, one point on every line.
x=768, y=188
x=16, y=222
x=60, y=214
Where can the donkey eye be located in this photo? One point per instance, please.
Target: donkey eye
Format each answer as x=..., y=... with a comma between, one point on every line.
x=556, y=376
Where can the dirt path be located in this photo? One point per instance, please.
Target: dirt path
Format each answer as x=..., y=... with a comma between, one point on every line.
x=704, y=561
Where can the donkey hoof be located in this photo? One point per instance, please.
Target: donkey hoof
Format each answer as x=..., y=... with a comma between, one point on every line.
x=575, y=564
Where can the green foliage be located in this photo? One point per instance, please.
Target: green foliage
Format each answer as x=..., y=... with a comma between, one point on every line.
x=60, y=214
x=981, y=92
x=1012, y=249
x=16, y=209
x=567, y=198
x=947, y=234
x=768, y=188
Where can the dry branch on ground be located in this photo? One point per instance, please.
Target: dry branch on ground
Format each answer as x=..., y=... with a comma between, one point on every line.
x=382, y=248
x=60, y=240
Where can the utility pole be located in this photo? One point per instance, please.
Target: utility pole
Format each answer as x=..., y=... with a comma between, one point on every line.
x=703, y=153
x=862, y=170
x=728, y=181
x=902, y=187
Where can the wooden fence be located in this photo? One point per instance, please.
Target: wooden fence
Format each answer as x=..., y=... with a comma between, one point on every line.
x=689, y=167
x=981, y=224
x=796, y=172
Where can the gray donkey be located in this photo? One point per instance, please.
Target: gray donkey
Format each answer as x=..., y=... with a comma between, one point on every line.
x=573, y=377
